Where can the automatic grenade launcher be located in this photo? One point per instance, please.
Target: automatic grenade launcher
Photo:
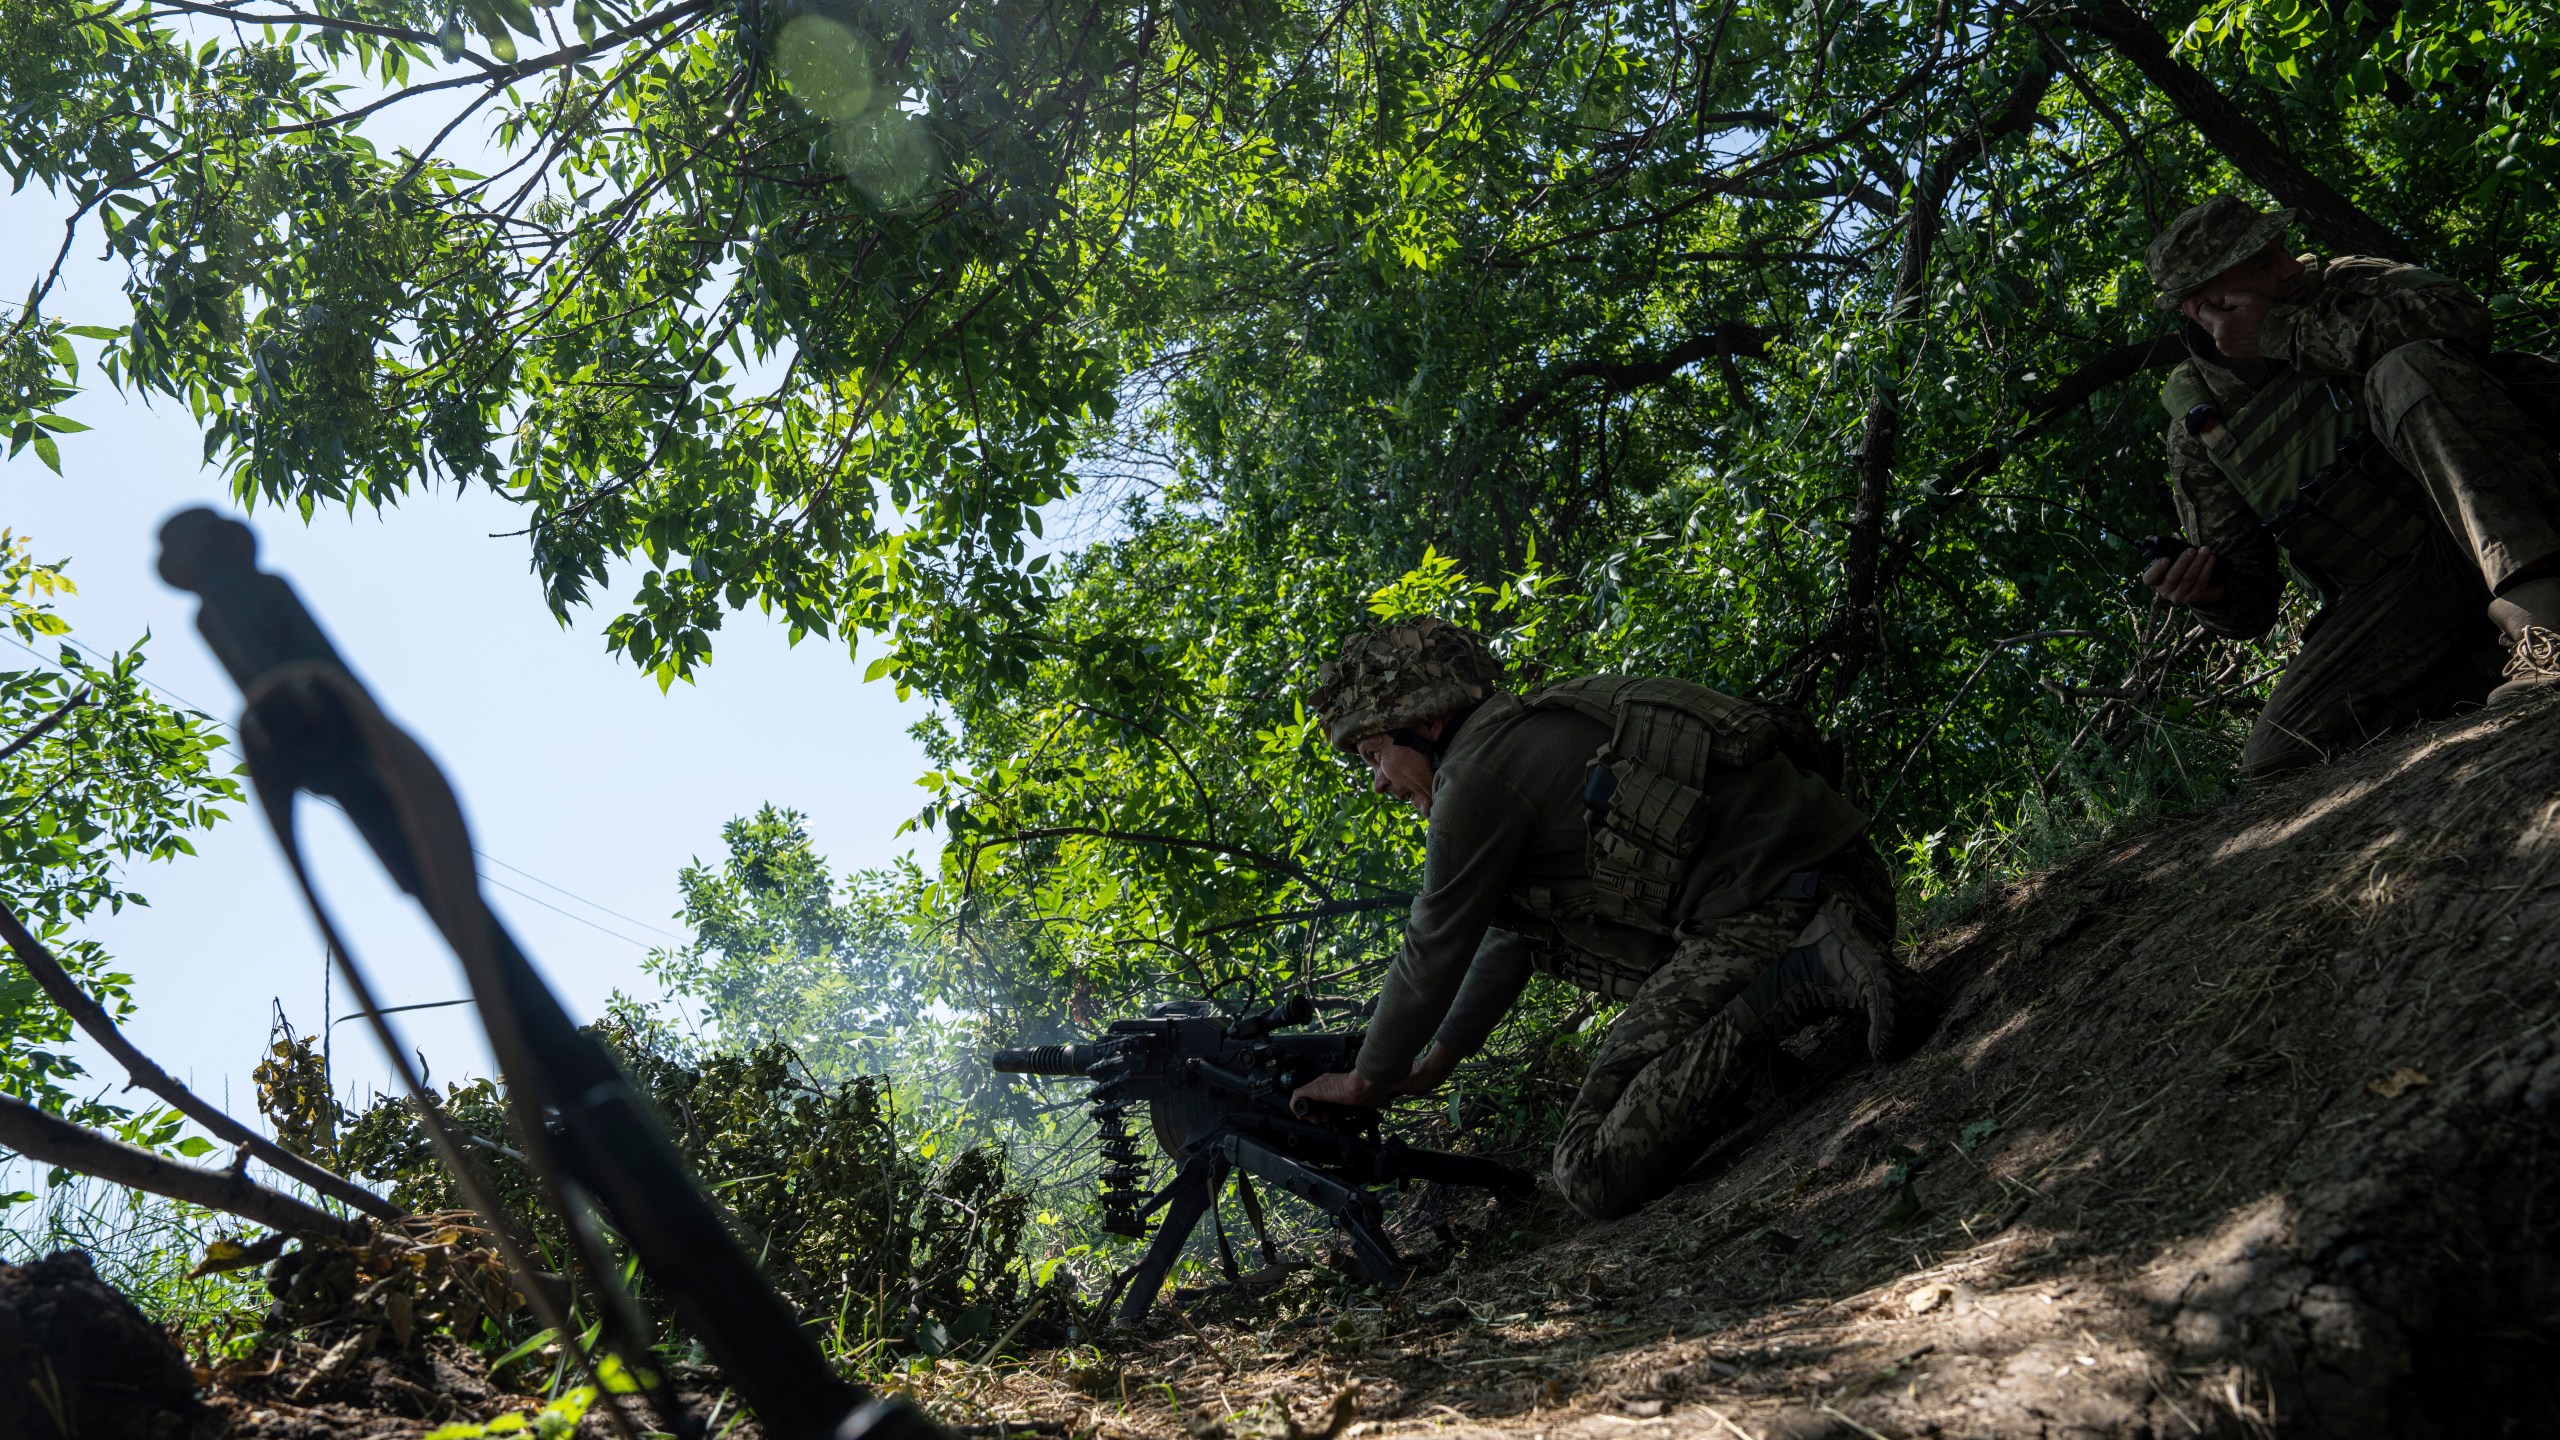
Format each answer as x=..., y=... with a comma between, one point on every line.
x=1217, y=1089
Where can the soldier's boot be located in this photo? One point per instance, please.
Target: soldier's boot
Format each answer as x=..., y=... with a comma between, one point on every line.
x=2530, y=614
x=1830, y=968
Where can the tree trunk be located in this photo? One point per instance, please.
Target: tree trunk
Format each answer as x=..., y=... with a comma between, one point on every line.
x=2326, y=213
x=1851, y=635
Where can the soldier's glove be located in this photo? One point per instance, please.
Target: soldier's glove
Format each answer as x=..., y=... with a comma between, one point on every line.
x=1830, y=968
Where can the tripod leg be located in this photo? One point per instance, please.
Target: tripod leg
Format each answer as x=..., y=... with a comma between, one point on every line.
x=1378, y=1259
x=1226, y=1249
x=1355, y=1209
x=1191, y=1193
x=1253, y=1212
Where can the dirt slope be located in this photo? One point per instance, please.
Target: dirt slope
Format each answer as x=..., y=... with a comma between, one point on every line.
x=2243, y=1126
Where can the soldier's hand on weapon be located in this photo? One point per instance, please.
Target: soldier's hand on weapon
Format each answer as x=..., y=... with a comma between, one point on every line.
x=1343, y=1087
x=2187, y=580
x=1350, y=1087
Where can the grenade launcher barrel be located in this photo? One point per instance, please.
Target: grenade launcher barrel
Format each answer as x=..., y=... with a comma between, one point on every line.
x=1048, y=1059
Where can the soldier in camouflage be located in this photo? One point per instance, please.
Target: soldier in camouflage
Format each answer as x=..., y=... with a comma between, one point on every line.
x=1653, y=841
x=2347, y=419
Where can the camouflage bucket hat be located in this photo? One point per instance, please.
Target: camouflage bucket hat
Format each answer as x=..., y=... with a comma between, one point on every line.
x=1400, y=674
x=2208, y=240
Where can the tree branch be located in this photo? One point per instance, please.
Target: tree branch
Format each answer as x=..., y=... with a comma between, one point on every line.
x=686, y=10
x=317, y=21
x=1880, y=440
x=2113, y=366
x=56, y=1141
x=1175, y=842
x=38, y=731
x=93, y=1020
x=1733, y=337
x=2109, y=368
x=2227, y=128
x=1324, y=911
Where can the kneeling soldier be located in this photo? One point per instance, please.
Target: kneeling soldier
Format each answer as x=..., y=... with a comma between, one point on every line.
x=2347, y=417
x=1651, y=840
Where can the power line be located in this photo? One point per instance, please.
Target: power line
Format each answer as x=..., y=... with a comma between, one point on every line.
x=173, y=696
x=556, y=910
x=547, y=885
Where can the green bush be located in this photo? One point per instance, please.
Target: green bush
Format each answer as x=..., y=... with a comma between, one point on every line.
x=873, y=1238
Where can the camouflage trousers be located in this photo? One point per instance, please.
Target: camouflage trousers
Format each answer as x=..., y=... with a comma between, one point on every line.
x=1670, y=1070
x=2415, y=643
x=2484, y=460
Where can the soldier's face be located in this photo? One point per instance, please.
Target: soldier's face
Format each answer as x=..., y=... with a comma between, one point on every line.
x=1400, y=771
x=2267, y=275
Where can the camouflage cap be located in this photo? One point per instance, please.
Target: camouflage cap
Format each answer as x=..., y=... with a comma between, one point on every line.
x=2208, y=240
x=1401, y=674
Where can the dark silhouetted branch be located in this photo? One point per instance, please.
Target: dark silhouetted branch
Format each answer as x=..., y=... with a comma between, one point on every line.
x=38, y=731
x=2328, y=214
x=93, y=1021
x=52, y=1140
x=1731, y=338
x=1853, y=629
x=2109, y=368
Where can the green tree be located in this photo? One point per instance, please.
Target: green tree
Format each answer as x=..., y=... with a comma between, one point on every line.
x=778, y=959
x=96, y=776
x=1801, y=349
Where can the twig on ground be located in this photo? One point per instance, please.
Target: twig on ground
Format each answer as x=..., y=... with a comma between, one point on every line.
x=996, y=1346
x=1207, y=1347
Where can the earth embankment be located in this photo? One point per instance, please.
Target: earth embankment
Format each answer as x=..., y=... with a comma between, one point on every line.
x=2246, y=1124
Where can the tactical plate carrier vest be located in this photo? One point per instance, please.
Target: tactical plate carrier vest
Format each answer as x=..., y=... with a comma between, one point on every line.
x=1644, y=798
x=2322, y=487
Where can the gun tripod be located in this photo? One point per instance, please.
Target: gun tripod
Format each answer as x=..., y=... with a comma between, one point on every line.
x=1226, y=1151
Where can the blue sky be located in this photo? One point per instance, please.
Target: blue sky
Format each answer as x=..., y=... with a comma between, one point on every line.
x=571, y=765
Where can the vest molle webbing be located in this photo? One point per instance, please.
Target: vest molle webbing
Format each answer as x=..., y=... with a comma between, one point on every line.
x=2298, y=454
x=1644, y=796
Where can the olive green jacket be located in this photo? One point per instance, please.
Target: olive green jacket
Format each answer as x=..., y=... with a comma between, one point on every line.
x=1507, y=815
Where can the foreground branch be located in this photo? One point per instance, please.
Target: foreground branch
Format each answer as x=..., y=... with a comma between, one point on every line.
x=93, y=1020
x=2227, y=128
x=56, y=1141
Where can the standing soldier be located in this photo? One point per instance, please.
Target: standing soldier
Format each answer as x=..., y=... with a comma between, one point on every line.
x=1650, y=840
x=2338, y=417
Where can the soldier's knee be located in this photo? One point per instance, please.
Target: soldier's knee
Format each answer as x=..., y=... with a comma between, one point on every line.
x=2420, y=370
x=1588, y=1184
